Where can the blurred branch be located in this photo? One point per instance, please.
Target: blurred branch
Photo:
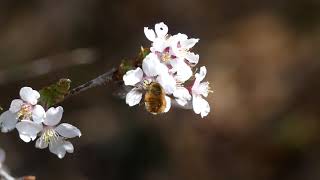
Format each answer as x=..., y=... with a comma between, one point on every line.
x=48, y=64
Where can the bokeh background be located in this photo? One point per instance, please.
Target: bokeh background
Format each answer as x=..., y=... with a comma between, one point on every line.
x=263, y=61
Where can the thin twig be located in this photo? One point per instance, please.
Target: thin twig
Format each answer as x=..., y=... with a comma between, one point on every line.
x=99, y=81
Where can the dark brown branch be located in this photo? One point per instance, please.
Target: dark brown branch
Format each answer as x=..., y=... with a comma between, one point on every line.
x=99, y=81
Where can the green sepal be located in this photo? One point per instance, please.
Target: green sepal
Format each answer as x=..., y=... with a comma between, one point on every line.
x=54, y=93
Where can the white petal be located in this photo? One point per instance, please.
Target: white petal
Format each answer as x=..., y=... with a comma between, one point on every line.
x=68, y=130
x=41, y=144
x=200, y=106
x=29, y=95
x=28, y=130
x=60, y=147
x=57, y=148
x=189, y=43
x=132, y=77
x=68, y=146
x=134, y=97
x=159, y=45
x=202, y=74
x=150, y=34
x=16, y=105
x=192, y=57
x=167, y=82
x=182, y=96
x=184, y=71
x=53, y=116
x=168, y=104
x=8, y=121
x=2, y=156
x=25, y=138
x=203, y=89
x=38, y=114
x=162, y=69
x=161, y=30
x=150, y=64
x=180, y=37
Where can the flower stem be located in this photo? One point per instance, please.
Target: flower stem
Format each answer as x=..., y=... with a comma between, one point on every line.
x=98, y=81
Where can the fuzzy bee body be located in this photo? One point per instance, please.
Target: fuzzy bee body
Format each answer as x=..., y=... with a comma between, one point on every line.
x=154, y=98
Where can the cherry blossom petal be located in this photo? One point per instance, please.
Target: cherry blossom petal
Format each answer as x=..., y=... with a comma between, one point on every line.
x=8, y=121
x=189, y=43
x=184, y=71
x=192, y=57
x=41, y=144
x=150, y=65
x=16, y=105
x=53, y=116
x=68, y=130
x=150, y=34
x=68, y=146
x=168, y=104
x=29, y=95
x=202, y=74
x=132, y=77
x=200, y=106
x=134, y=97
x=28, y=130
x=182, y=96
x=38, y=114
x=161, y=30
x=167, y=82
x=159, y=45
x=60, y=147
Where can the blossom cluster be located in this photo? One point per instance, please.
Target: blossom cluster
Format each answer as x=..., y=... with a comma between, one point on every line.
x=32, y=121
x=170, y=65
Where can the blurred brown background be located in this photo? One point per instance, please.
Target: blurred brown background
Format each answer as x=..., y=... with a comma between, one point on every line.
x=263, y=62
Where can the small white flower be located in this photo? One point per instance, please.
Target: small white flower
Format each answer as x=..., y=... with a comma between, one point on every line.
x=200, y=90
x=23, y=109
x=51, y=134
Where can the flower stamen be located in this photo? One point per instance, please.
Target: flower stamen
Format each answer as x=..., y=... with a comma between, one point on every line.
x=25, y=112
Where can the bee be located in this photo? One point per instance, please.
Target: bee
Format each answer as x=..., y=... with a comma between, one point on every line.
x=154, y=98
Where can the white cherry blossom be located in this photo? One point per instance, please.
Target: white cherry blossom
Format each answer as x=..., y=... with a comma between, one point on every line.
x=25, y=108
x=152, y=71
x=200, y=90
x=51, y=134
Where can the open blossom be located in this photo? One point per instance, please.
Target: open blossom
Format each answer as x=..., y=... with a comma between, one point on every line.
x=51, y=134
x=173, y=51
x=139, y=81
x=200, y=90
x=25, y=108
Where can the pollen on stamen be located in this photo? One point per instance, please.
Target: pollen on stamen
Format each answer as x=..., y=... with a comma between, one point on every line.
x=165, y=57
x=49, y=135
x=25, y=112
